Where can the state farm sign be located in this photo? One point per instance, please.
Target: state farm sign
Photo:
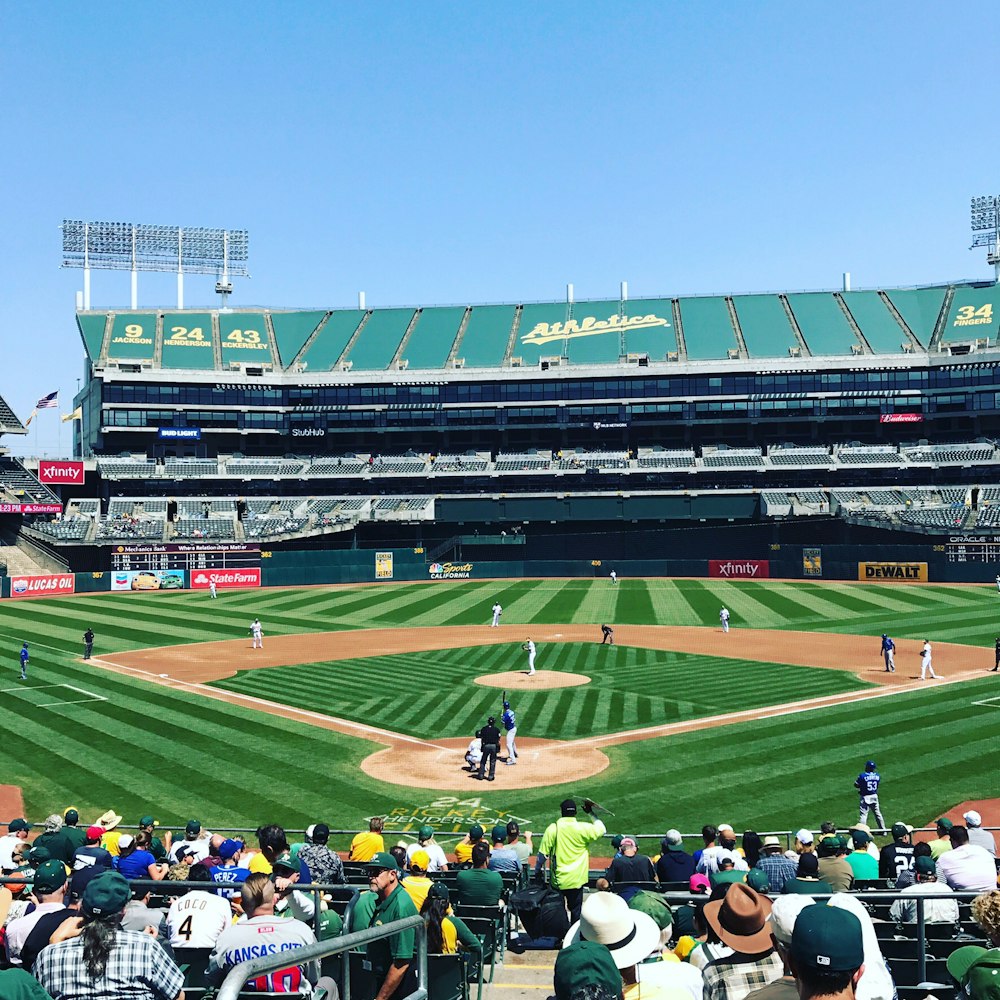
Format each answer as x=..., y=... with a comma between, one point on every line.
x=42, y=586
x=201, y=579
x=739, y=569
x=60, y=472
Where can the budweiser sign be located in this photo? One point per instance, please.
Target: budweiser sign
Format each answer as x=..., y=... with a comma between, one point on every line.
x=60, y=472
x=739, y=569
x=30, y=508
x=42, y=586
x=901, y=418
x=202, y=579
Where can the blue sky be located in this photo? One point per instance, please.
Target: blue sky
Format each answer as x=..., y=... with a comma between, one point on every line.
x=450, y=153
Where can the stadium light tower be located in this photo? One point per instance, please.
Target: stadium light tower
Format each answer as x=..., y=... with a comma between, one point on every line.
x=127, y=246
x=986, y=229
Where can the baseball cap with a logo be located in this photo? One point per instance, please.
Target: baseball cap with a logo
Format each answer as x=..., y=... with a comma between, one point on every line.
x=982, y=980
x=901, y=830
x=192, y=829
x=475, y=832
x=828, y=938
x=50, y=876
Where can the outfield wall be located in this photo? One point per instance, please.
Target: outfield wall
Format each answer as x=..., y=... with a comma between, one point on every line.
x=886, y=565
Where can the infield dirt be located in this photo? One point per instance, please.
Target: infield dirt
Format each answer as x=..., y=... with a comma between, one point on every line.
x=438, y=764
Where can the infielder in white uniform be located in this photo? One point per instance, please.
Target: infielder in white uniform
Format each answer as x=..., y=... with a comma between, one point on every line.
x=529, y=647
x=614, y=577
x=497, y=612
x=925, y=661
x=257, y=633
x=211, y=590
x=724, y=618
x=998, y=583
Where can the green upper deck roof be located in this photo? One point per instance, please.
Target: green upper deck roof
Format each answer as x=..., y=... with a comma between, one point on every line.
x=589, y=333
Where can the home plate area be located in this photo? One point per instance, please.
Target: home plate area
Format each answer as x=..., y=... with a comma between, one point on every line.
x=51, y=695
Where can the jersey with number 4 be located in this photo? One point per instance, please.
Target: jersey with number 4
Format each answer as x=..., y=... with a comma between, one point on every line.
x=197, y=919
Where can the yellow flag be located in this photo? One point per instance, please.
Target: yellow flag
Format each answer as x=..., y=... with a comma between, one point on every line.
x=77, y=414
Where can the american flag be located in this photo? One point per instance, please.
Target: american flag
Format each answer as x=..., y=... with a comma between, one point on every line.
x=46, y=402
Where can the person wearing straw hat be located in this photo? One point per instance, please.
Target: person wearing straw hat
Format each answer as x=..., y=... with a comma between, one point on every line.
x=109, y=821
x=740, y=921
x=631, y=936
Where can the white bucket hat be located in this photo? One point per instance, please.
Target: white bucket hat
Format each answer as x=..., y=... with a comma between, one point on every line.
x=630, y=935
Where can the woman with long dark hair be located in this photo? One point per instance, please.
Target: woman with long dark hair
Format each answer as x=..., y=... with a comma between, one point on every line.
x=445, y=931
x=751, y=847
x=93, y=954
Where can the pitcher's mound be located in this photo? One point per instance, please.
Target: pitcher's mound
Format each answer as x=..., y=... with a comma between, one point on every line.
x=540, y=680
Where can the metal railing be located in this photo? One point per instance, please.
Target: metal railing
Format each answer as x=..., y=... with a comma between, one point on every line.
x=240, y=974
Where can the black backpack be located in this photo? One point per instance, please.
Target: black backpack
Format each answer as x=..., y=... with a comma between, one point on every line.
x=541, y=910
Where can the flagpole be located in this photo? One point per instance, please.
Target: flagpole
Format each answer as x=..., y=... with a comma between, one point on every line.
x=59, y=436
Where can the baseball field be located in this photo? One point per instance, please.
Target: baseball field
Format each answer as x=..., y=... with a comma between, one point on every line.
x=363, y=697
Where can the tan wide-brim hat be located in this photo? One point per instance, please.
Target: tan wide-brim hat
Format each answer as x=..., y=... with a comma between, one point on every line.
x=109, y=820
x=740, y=919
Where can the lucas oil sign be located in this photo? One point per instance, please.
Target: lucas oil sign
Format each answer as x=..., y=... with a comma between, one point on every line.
x=892, y=572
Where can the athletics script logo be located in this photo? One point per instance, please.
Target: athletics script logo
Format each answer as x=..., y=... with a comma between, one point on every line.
x=544, y=333
x=450, y=814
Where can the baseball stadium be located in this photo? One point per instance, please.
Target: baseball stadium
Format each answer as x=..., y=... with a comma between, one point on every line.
x=371, y=484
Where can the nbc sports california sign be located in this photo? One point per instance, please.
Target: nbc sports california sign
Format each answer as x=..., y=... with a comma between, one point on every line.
x=450, y=571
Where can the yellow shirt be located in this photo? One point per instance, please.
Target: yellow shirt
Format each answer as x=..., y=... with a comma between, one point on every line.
x=365, y=846
x=110, y=842
x=417, y=886
x=258, y=863
x=463, y=853
x=449, y=937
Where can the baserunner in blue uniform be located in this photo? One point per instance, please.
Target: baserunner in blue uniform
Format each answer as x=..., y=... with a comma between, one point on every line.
x=889, y=654
x=867, y=785
x=24, y=662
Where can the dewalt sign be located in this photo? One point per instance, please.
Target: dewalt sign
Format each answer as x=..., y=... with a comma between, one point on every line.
x=892, y=572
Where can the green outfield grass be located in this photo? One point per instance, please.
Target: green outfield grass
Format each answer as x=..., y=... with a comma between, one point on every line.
x=148, y=749
x=630, y=689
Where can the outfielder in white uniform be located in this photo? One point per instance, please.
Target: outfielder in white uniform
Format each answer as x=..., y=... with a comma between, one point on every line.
x=529, y=647
x=497, y=612
x=724, y=618
x=211, y=590
x=614, y=577
x=998, y=583
x=257, y=633
x=925, y=661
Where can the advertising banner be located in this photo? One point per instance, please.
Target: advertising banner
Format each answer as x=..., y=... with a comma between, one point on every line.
x=60, y=472
x=179, y=433
x=55, y=585
x=450, y=571
x=383, y=565
x=812, y=562
x=30, y=508
x=225, y=578
x=739, y=569
x=892, y=571
x=151, y=579
x=901, y=418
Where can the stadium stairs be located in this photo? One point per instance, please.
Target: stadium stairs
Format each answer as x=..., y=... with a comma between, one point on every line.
x=24, y=559
x=527, y=974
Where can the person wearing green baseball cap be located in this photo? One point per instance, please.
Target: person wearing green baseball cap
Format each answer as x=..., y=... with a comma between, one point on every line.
x=392, y=957
x=157, y=847
x=982, y=979
x=827, y=954
x=437, y=860
x=103, y=957
x=941, y=844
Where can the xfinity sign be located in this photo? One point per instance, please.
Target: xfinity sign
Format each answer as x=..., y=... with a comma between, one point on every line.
x=60, y=472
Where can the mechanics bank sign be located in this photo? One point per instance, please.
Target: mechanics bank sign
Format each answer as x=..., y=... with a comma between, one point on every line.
x=739, y=569
x=450, y=571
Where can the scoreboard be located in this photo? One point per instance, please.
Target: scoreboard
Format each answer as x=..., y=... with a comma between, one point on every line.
x=973, y=549
x=187, y=556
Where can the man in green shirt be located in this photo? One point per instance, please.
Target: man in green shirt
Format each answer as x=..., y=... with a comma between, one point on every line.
x=156, y=846
x=54, y=841
x=392, y=957
x=477, y=886
x=565, y=845
x=72, y=833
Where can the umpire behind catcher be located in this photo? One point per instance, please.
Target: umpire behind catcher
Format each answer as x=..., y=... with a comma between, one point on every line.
x=491, y=747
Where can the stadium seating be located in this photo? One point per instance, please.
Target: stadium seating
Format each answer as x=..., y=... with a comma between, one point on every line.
x=610, y=460
x=708, y=330
x=460, y=463
x=20, y=485
x=812, y=497
x=251, y=468
x=130, y=527
x=269, y=527
x=204, y=527
x=69, y=529
x=190, y=468
x=952, y=518
x=776, y=504
x=403, y=508
x=9, y=424
x=666, y=460
x=989, y=517
x=88, y=508
x=195, y=506
x=126, y=468
x=522, y=463
x=886, y=498
x=802, y=457
x=942, y=454
x=347, y=466
x=733, y=458
x=825, y=328
x=396, y=465
x=868, y=455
